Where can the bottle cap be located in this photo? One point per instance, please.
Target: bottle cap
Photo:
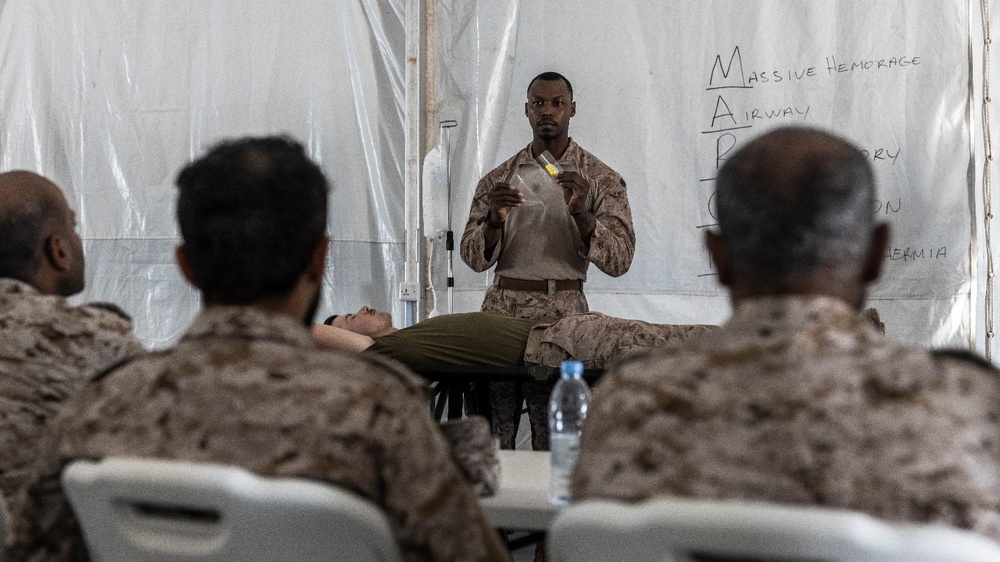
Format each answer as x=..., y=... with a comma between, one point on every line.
x=571, y=369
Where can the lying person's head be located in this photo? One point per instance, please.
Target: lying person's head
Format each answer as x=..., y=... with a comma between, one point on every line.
x=795, y=217
x=366, y=321
x=252, y=215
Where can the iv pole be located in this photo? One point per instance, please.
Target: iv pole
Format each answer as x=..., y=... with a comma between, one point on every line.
x=450, y=235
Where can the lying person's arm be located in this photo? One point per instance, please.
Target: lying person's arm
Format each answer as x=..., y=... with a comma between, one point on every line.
x=339, y=338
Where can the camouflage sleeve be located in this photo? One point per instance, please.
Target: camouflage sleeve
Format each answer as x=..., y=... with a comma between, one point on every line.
x=430, y=506
x=613, y=242
x=473, y=245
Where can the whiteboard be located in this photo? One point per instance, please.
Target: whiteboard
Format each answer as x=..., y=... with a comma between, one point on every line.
x=665, y=91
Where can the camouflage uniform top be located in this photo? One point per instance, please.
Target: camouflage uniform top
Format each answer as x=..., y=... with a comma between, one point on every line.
x=252, y=389
x=797, y=400
x=540, y=239
x=48, y=351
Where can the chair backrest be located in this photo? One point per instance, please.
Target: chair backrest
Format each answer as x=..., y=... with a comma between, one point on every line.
x=673, y=530
x=165, y=511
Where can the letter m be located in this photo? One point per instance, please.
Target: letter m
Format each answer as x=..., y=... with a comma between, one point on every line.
x=725, y=71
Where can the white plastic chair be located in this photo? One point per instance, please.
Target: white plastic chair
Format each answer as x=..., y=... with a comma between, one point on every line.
x=671, y=530
x=166, y=511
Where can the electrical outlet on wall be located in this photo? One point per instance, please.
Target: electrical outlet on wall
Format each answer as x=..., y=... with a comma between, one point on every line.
x=408, y=292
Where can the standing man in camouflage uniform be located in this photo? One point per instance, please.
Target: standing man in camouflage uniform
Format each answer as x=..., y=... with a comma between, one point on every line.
x=248, y=386
x=48, y=349
x=542, y=233
x=797, y=399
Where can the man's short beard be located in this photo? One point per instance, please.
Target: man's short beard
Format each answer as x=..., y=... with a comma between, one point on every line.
x=311, y=313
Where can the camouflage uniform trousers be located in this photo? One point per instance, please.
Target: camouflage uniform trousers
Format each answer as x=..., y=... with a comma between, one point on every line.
x=595, y=339
x=506, y=397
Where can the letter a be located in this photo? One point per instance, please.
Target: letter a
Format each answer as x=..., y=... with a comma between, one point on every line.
x=721, y=104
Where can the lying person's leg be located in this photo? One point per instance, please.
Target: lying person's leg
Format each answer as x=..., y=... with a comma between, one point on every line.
x=596, y=339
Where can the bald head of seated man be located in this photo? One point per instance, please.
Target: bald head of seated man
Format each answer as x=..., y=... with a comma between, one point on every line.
x=38, y=240
x=483, y=338
x=49, y=349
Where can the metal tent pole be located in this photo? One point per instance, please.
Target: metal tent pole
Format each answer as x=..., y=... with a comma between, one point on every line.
x=450, y=235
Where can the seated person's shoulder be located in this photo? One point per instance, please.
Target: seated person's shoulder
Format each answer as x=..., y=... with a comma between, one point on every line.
x=370, y=368
x=39, y=309
x=963, y=359
x=644, y=366
x=107, y=309
x=103, y=316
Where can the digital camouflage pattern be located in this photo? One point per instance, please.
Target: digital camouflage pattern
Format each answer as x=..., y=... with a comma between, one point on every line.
x=48, y=351
x=612, y=245
x=799, y=400
x=506, y=397
x=611, y=249
x=533, y=304
x=250, y=389
x=596, y=340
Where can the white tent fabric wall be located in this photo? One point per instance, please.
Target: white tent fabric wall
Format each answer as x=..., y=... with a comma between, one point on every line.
x=645, y=79
x=111, y=97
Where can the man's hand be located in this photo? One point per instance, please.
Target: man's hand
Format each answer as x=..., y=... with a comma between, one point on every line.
x=575, y=190
x=502, y=198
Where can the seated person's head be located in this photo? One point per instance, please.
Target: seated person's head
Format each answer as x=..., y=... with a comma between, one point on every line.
x=795, y=209
x=366, y=321
x=38, y=240
x=252, y=215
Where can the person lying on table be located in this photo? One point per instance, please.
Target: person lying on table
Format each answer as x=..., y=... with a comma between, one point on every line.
x=487, y=339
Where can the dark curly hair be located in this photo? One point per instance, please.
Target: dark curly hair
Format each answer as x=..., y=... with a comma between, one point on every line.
x=552, y=77
x=251, y=211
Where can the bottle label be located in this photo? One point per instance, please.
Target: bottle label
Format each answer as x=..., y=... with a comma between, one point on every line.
x=565, y=447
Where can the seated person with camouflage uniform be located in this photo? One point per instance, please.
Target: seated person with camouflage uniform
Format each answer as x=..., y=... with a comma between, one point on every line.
x=483, y=338
x=248, y=386
x=48, y=349
x=796, y=400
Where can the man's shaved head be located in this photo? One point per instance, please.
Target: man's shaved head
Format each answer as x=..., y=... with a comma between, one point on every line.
x=796, y=199
x=796, y=216
x=32, y=211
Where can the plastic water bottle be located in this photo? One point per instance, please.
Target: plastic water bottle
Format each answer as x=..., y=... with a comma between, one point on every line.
x=567, y=410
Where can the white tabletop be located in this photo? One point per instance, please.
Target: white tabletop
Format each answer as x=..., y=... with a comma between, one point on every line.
x=522, y=502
